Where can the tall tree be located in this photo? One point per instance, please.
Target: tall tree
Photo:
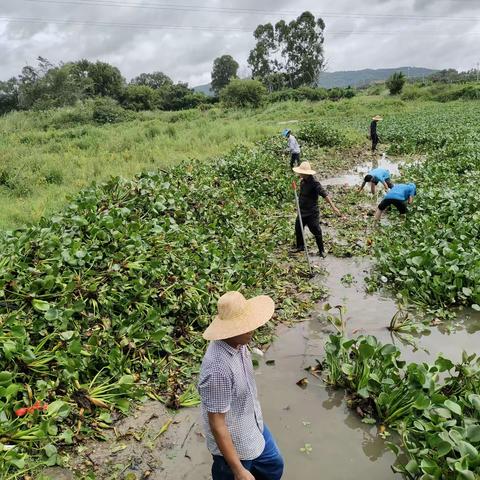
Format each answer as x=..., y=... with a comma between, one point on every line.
x=154, y=80
x=105, y=79
x=395, y=83
x=224, y=69
x=291, y=54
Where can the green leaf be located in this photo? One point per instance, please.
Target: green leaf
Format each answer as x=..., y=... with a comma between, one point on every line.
x=476, y=307
x=453, y=407
x=473, y=433
x=467, y=291
x=40, y=305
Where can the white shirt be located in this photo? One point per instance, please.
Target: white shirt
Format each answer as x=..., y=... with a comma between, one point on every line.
x=293, y=145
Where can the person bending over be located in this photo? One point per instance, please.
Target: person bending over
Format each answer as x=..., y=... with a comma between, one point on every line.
x=399, y=196
x=376, y=176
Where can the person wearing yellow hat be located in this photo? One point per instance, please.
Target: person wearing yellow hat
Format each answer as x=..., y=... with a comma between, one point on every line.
x=241, y=444
x=310, y=190
x=373, y=131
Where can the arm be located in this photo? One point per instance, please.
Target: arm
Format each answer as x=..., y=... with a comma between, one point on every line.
x=334, y=208
x=223, y=438
x=385, y=185
x=372, y=187
x=363, y=184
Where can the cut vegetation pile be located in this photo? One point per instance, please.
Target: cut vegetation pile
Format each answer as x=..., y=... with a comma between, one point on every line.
x=105, y=302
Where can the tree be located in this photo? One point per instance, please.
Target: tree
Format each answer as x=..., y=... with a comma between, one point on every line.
x=105, y=80
x=224, y=69
x=243, y=93
x=140, y=97
x=179, y=97
x=290, y=54
x=49, y=86
x=8, y=95
x=154, y=80
x=395, y=83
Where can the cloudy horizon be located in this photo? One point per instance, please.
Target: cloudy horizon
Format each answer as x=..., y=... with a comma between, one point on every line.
x=182, y=40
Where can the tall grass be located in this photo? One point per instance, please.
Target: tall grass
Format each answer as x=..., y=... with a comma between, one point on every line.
x=46, y=156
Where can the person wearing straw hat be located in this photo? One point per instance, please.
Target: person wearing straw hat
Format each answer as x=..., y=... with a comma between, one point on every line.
x=241, y=444
x=310, y=190
x=373, y=131
x=293, y=147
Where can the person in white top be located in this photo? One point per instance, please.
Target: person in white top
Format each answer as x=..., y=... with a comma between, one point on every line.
x=293, y=148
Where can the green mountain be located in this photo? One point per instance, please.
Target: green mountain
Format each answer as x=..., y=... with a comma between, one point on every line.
x=354, y=78
x=206, y=89
x=359, y=78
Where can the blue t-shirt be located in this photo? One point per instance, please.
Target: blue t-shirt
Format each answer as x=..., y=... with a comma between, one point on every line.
x=401, y=191
x=380, y=174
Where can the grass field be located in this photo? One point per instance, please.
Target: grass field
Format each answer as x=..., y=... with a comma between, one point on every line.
x=44, y=157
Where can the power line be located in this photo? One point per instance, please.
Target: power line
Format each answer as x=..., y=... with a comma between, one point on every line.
x=207, y=28
x=252, y=11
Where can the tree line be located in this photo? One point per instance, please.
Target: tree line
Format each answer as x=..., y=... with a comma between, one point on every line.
x=286, y=57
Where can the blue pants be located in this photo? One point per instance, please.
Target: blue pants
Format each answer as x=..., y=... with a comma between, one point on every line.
x=268, y=466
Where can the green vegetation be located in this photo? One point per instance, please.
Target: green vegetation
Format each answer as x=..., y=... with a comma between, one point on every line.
x=105, y=301
x=395, y=83
x=434, y=257
x=243, y=93
x=438, y=421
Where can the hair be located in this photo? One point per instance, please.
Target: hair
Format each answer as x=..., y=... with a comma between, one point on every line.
x=368, y=178
x=389, y=183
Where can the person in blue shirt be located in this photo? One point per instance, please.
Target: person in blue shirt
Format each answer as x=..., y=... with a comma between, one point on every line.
x=400, y=195
x=375, y=176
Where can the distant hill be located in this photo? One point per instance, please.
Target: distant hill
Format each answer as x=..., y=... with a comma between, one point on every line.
x=354, y=78
x=359, y=78
x=206, y=89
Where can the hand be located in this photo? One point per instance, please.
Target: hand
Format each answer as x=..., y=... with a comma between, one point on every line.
x=244, y=475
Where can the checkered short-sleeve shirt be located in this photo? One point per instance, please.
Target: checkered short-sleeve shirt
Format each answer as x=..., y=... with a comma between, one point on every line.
x=227, y=385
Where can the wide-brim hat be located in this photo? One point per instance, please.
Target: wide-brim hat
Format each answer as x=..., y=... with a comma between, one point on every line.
x=304, y=168
x=377, y=117
x=237, y=315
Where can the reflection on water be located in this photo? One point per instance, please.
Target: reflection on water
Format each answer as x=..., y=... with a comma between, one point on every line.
x=342, y=446
x=356, y=176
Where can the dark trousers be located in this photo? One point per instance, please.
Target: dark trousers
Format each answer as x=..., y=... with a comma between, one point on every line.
x=268, y=466
x=375, y=141
x=294, y=159
x=313, y=224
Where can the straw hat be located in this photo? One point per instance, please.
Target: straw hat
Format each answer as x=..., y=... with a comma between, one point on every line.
x=237, y=315
x=377, y=117
x=305, y=169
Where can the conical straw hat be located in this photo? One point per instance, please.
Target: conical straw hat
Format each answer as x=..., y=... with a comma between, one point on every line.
x=304, y=168
x=377, y=117
x=237, y=315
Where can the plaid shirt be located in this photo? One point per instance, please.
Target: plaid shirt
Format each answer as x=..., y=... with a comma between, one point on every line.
x=227, y=385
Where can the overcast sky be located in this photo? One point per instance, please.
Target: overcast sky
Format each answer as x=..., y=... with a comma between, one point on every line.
x=359, y=33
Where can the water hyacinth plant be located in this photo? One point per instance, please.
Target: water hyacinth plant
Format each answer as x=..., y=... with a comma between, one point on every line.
x=106, y=301
x=435, y=408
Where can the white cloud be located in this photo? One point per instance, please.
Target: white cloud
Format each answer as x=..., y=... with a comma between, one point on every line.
x=187, y=55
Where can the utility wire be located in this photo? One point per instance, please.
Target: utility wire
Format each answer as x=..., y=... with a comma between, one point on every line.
x=149, y=26
x=252, y=11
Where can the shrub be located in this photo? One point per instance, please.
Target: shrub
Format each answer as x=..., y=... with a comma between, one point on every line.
x=243, y=93
x=395, y=83
x=321, y=135
x=139, y=97
x=107, y=110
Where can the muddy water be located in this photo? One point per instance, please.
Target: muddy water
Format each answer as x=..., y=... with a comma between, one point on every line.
x=356, y=176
